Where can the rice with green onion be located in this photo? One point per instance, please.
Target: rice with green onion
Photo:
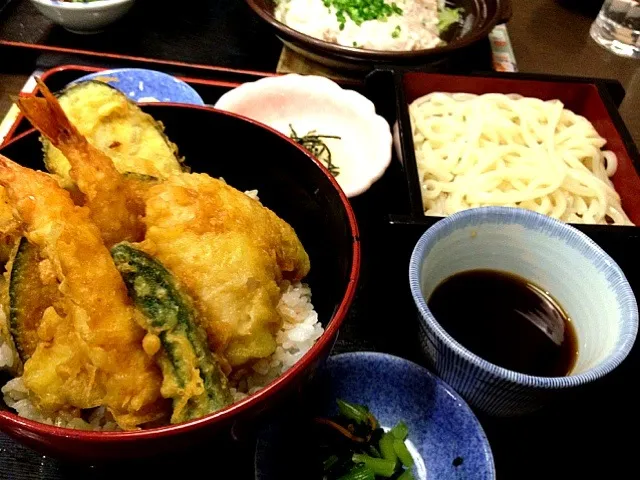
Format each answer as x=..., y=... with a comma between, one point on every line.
x=399, y=25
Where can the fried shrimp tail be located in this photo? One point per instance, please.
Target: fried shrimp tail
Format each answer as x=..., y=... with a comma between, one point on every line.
x=90, y=350
x=113, y=206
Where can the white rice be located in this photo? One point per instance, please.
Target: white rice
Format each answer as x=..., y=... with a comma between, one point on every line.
x=299, y=331
x=8, y=357
x=252, y=194
x=16, y=396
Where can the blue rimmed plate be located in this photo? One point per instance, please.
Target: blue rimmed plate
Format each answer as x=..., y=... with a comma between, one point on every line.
x=445, y=438
x=144, y=85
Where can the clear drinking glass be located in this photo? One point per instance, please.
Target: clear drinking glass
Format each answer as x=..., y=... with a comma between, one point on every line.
x=618, y=27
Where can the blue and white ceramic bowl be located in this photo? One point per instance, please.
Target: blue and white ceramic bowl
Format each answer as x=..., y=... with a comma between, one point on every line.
x=579, y=274
x=445, y=438
x=142, y=85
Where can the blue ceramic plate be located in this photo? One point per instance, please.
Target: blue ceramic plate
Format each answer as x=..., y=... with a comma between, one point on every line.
x=140, y=85
x=445, y=438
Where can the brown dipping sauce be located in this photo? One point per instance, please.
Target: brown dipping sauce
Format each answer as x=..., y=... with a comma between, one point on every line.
x=508, y=321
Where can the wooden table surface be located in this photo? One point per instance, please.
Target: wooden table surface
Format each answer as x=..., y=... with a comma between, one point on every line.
x=550, y=38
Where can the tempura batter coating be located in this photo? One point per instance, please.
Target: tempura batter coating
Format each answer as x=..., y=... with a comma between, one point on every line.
x=115, y=124
x=227, y=249
x=112, y=206
x=231, y=253
x=90, y=351
x=9, y=227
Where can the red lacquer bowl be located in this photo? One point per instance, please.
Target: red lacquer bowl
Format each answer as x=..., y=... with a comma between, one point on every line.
x=295, y=186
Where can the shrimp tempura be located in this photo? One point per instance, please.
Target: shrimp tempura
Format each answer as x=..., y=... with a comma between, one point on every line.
x=113, y=208
x=90, y=352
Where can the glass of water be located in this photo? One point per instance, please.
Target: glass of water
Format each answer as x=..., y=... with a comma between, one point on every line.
x=618, y=27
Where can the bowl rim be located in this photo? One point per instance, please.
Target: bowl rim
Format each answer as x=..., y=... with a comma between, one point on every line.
x=95, y=4
x=319, y=86
x=94, y=76
x=503, y=9
x=273, y=388
x=545, y=223
x=335, y=361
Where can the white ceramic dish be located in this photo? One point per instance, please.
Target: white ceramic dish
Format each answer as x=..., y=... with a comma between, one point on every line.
x=316, y=103
x=82, y=17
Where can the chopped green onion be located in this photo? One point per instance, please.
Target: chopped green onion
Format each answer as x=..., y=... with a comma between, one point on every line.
x=407, y=475
x=400, y=431
x=359, y=472
x=330, y=462
x=357, y=413
x=403, y=452
x=378, y=466
x=360, y=11
x=396, y=32
x=386, y=447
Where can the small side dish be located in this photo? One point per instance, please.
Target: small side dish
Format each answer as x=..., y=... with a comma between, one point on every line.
x=353, y=446
x=595, y=310
x=399, y=25
x=83, y=16
x=392, y=404
x=143, y=85
x=339, y=127
x=509, y=150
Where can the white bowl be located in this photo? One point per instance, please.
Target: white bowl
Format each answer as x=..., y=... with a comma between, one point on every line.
x=82, y=17
x=317, y=103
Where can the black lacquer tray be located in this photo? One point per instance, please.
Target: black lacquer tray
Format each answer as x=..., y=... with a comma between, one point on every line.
x=584, y=435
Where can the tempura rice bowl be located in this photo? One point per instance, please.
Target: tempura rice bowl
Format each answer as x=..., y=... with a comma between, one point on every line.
x=300, y=190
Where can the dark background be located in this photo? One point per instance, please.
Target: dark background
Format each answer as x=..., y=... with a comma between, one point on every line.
x=588, y=434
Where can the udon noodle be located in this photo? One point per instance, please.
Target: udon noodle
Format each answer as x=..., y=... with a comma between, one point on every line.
x=494, y=149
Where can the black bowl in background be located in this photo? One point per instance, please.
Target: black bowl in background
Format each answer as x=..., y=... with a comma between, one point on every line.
x=478, y=19
x=292, y=184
